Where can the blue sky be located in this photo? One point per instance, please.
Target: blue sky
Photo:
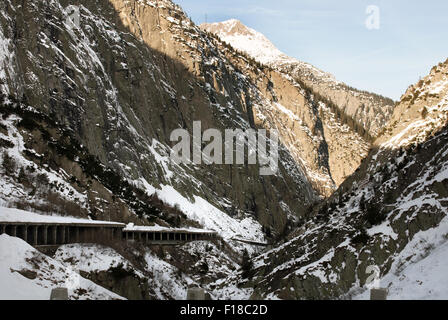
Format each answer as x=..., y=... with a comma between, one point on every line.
x=332, y=35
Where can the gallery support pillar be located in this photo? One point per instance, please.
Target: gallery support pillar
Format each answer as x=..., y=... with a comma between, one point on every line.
x=35, y=230
x=45, y=235
x=25, y=233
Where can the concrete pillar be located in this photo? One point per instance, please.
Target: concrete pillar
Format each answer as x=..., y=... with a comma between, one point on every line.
x=147, y=237
x=14, y=231
x=77, y=234
x=35, y=232
x=62, y=228
x=55, y=234
x=45, y=235
x=25, y=233
x=126, y=235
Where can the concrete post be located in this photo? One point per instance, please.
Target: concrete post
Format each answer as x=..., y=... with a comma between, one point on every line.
x=379, y=294
x=59, y=294
x=195, y=294
x=35, y=232
x=14, y=231
x=77, y=234
x=147, y=237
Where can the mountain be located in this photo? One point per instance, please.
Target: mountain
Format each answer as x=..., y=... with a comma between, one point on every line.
x=87, y=113
x=367, y=110
x=391, y=213
x=116, y=87
x=350, y=118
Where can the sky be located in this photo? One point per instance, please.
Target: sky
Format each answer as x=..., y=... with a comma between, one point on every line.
x=333, y=36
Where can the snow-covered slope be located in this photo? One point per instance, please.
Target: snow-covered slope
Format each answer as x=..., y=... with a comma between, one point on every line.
x=27, y=274
x=419, y=271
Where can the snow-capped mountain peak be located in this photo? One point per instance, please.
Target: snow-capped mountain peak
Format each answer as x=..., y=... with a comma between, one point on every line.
x=257, y=45
x=246, y=39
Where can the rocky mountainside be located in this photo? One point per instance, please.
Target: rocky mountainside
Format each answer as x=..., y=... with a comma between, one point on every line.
x=118, y=85
x=391, y=213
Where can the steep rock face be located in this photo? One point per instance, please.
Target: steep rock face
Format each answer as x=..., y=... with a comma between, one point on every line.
x=350, y=118
x=132, y=72
x=391, y=213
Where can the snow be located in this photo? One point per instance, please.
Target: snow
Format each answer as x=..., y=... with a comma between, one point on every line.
x=132, y=227
x=211, y=217
x=384, y=229
x=16, y=215
x=92, y=258
x=18, y=256
x=166, y=278
x=419, y=271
